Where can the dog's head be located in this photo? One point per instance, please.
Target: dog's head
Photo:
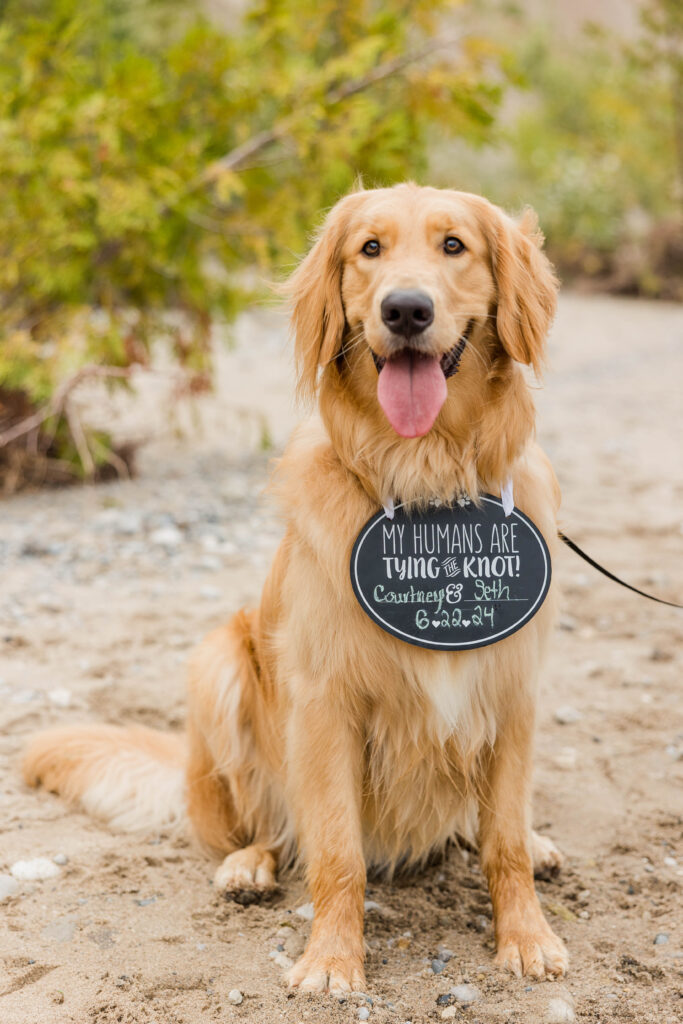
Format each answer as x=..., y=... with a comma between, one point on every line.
x=400, y=281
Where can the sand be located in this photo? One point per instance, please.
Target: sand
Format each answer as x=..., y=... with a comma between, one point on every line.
x=105, y=590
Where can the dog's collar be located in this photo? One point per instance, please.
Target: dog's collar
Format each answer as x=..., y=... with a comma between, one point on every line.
x=450, y=361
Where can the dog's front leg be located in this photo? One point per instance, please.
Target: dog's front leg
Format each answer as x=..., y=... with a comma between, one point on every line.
x=325, y=759
x=524, y=940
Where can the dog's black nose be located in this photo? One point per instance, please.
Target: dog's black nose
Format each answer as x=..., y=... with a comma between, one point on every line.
x=407, y=312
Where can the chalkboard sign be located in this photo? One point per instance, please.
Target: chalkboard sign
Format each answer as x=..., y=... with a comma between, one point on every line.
x=451, y=578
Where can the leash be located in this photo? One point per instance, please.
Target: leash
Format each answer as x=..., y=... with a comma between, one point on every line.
x=610, y=575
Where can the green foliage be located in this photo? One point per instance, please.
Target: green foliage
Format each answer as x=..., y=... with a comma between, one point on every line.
x=595, y=144
x=148, y=161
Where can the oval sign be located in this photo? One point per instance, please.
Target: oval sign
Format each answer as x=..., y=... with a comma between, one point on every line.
x=451, y=578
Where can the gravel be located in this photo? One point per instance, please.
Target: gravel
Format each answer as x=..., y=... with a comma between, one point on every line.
x=235, y=996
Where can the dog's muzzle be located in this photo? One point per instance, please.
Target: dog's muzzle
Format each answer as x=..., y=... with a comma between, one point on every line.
x=450, y=361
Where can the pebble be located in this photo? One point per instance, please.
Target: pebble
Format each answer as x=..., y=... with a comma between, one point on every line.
x=661, y=939
x=567, y=715
x=306, y=911
x=671, y=862
x=448, y=1013
x=465, y=994
x=235, y=996
x=445, y=954
x=61, y=859
x=371, y=905
x=438, y=966
x=60, y=697
x=34, y=870
x=559, y=1012
x=565, y=758
x=283, y=961
x=166, y=537
x=8, y=887
x=363, y=1013
x=481, y=923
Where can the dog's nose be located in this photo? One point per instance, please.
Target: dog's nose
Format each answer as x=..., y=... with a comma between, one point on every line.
x=407, y=312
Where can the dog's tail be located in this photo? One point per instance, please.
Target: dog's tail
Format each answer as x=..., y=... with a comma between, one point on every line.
x=132, y=778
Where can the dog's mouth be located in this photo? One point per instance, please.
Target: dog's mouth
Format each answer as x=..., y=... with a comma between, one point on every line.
x=411, y=386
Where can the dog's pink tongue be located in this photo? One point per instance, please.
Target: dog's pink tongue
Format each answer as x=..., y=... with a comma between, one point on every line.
x=411, y=389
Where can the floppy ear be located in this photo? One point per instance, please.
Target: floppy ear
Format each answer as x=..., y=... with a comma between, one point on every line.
x=526, y=286
x=314, y=288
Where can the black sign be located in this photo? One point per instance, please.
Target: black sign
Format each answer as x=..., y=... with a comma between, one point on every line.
x=453, y=577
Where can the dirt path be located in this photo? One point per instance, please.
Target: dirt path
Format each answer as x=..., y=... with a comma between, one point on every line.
x=103, y=592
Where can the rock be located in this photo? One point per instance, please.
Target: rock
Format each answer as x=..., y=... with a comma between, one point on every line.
x=671, y=862
x=363, y=1013
x=293, y=945
x=438, y=966
x=60, y=697
x=8, y=887
x=371, y=905
x=61, y=859
x=34, y=870
x=559, y=1012
x=481, y=923
x=166, y=537
x=445, y=954
x=283, y=961
x=567, y=715
x=661, y=939
x=565, y=759
x=449, y=1013
x=306, y=911
x=445, y=1000
x=674, y=752
x=235, y=996
x=465, y=994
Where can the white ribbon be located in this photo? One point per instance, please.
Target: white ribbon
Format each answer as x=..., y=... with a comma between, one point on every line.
x=507, y=497
x=388, y=506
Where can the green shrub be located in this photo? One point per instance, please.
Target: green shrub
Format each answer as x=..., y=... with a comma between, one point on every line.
x=147, y=162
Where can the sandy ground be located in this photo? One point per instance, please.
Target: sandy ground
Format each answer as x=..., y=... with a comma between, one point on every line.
x=104, y=590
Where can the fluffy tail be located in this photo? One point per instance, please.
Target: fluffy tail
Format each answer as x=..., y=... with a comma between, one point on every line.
x=132, y=778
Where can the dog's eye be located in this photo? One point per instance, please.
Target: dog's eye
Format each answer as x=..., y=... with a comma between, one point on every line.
x=453, y=246
x=371, y=248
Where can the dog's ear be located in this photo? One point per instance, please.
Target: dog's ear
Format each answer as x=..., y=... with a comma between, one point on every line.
x=526, y=285
x=314, y=289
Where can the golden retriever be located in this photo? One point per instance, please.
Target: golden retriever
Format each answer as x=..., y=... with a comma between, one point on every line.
x=312, y=733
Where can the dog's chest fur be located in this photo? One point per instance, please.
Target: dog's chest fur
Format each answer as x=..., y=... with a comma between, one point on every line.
x=422, y=756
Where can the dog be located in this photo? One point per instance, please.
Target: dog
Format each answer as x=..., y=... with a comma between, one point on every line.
x=312, y=734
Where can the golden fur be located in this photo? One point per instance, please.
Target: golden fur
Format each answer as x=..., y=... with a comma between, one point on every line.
x=310, y=731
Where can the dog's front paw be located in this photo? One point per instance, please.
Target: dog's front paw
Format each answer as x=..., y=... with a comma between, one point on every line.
x=336, y=974
x=535, y=952
x=246, y=874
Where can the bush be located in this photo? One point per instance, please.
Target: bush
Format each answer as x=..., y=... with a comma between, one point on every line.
x=147, y=162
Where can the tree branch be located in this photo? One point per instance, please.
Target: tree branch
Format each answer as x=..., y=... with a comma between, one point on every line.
x=236, y=158
x=55, y=407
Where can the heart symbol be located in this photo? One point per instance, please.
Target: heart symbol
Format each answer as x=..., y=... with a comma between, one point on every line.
x=435, y=623
x=466, y=622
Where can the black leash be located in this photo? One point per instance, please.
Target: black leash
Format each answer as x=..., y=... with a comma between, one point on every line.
x=610, y=575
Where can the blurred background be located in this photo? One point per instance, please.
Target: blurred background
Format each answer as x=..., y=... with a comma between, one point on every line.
x=161, y=162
